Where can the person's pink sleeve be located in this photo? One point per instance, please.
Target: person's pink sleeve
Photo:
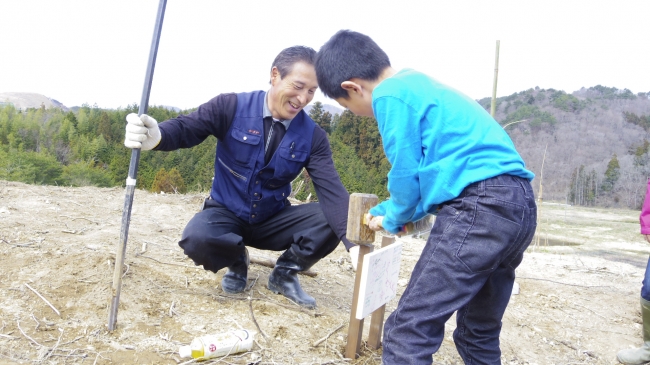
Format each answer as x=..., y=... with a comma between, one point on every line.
x=645, y=212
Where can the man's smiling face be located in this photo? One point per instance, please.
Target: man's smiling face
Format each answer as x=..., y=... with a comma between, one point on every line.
x=291, y=93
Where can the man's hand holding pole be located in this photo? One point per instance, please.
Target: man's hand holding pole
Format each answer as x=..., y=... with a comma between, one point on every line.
x=141, y=132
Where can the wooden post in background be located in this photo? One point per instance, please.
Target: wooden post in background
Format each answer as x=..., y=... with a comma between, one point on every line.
x=360, y=234
x=539, y=201
x=494, y=85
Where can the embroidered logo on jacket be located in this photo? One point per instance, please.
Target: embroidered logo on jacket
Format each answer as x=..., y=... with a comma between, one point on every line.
x=253, y=131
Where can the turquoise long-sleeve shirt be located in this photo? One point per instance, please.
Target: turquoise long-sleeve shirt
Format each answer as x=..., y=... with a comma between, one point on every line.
x=437, y=141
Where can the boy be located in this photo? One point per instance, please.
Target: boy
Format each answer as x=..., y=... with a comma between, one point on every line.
x=448, y=157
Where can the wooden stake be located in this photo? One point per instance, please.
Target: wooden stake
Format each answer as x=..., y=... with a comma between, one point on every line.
x=357, y=231
x=356, y=325
x=377, y=317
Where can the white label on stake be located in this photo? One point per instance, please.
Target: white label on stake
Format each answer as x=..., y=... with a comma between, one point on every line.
x=379, y=276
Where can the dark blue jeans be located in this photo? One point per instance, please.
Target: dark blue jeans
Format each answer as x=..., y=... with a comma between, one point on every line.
x=468, y=267
x=645, y=289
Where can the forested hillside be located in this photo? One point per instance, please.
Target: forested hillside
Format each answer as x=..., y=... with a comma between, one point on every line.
x=85, y=147
x=593, y=146
x=593, y=143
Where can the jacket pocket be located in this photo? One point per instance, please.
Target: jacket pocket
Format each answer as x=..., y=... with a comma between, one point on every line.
x=248, y=149
x=232, y=172
x=288, y=164
x=495, y=227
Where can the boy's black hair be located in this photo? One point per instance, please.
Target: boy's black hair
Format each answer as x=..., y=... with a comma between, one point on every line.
x=285, y=60
x=346, y=55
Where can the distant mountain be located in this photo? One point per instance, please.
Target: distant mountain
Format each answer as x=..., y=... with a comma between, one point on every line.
x=23, y=100
x=171, y=108
x=327, y=107
x=575, y=136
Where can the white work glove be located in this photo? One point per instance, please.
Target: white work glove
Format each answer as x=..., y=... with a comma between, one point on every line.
x=375, y=223
x=354, y=256
x=141, y=132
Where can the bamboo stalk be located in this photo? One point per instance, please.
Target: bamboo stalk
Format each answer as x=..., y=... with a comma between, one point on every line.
x=494, y=85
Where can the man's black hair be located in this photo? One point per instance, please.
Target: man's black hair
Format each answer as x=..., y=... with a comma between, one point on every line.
x=285, y=60
x=346, y=55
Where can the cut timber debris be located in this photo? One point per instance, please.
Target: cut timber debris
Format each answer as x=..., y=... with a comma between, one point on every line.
x=270, y=262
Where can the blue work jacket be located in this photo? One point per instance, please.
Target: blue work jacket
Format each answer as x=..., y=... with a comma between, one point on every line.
x=251, y=189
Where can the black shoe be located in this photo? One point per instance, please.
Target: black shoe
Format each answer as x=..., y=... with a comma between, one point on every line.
x=284, y=279
x=234, y=281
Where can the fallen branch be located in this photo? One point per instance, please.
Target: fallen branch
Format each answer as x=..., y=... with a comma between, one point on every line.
x=251, y=285
x=38, y=324
x=24, y=334
x=559, y=282
x=31, y=244
x=74, y=202
x=127, y=270
x=294, y=306
x=270, y=262
x=168, y=263
x=327, y=336
x=75, y=218
x=69, y=342
x=188, y=362
x=589, y=310
x=51, y=351
x=250, y=307
x=586, y=352
x=45, y=300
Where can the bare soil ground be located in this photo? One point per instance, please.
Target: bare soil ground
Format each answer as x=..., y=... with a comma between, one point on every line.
x=578, y=300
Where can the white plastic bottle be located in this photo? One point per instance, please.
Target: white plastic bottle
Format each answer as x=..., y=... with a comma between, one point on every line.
x=221, y=344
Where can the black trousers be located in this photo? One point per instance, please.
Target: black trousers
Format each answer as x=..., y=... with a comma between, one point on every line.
x=216, y=238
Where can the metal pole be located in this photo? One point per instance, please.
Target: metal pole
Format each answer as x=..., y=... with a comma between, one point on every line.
x=133, y=172
x=494, y=87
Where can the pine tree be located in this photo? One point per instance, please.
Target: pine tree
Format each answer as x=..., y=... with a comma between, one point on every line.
x=642, y=158
x=321, y=117
x=611, y=174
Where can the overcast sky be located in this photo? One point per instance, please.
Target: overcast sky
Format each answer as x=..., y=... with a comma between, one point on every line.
x=96, y=52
